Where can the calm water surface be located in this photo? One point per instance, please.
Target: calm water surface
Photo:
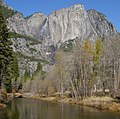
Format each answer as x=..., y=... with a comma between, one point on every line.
x=34, y=109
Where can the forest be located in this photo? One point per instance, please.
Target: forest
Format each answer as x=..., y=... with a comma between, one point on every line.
x=88, y=68
x=82, y=68
x=8, y=61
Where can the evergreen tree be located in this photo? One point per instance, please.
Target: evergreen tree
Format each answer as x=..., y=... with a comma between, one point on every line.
x=8, y=61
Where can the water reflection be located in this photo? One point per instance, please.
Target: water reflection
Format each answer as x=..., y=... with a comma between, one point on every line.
x=33, y=109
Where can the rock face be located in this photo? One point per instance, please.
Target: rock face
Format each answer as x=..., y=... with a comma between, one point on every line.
x=35, y=22
x=67, y=24
x=62, y=25
x=100, y=24
x=48, y=32
x=26, y=26
x=29, y=53
x=28, y=48
x=73, y=22
x=18, y=24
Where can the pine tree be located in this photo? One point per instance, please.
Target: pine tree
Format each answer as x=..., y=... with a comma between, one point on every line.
x=8, y=62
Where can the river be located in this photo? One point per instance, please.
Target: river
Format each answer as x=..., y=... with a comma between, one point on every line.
x=35, y=109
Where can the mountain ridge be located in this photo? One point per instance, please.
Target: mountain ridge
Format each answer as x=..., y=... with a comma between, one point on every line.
x=49, y=32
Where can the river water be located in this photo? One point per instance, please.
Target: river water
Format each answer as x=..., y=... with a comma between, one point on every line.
x=34, y=109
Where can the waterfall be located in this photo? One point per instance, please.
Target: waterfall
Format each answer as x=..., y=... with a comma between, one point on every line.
x=45, y=24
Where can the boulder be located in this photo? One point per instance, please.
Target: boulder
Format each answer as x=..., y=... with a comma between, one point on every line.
x=18, y=95
x=2, y=106
x=67, y=94
x=3, y=96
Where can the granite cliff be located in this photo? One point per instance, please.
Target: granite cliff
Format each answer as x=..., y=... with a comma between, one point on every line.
x=35, y=38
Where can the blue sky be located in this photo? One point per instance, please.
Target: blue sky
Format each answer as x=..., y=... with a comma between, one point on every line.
x=111, y=8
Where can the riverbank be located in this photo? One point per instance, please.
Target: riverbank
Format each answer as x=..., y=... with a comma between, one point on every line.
x=101, y=103
x=5, y=98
